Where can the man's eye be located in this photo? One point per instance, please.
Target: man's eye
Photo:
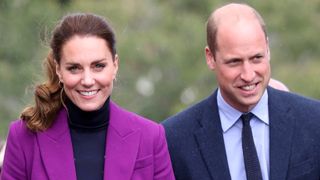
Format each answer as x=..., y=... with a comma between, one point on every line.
x=258, y=58
x=233, y=61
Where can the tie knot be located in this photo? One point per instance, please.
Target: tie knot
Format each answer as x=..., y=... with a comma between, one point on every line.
x=246, y=117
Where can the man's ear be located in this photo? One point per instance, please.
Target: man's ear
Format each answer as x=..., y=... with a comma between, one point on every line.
x=268, y=49
x=210, y=58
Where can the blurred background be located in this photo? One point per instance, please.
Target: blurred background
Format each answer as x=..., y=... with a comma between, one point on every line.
x=161, y=48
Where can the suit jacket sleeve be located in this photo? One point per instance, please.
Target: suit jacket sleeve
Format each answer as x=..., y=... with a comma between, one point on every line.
x=14, y=164
x=163, y=167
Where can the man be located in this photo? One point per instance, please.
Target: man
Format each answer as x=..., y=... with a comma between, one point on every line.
x=215, y=139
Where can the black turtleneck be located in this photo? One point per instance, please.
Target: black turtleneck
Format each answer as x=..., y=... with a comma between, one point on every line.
x=88, y=135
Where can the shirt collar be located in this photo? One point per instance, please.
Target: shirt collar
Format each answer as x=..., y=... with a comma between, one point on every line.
x=229, y=115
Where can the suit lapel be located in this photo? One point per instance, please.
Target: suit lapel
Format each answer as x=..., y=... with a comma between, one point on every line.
x=281, y=133
x=210, y=140
x=56, y=149
x=123, y=141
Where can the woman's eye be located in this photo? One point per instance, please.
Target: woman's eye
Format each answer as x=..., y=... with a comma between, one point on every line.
x=99, y=66
x=73, y=69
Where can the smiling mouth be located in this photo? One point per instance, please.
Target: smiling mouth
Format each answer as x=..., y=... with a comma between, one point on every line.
x=88, y=93
x=248, y=87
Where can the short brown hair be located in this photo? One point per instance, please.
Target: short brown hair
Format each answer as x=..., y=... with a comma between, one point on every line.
x=212, y=29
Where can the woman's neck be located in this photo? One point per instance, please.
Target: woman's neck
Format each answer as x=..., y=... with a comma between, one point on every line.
x=87, y=120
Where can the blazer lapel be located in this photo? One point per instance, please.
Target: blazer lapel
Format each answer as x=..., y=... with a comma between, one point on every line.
x=123, y=141
x=281, y=133
x=210, y=140
x=56, y=149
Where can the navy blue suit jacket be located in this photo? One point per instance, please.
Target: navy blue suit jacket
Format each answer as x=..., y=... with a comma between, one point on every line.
x=197, y=148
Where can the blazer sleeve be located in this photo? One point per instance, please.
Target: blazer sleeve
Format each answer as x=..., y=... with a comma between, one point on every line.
x=163, y=167
x=14, y=161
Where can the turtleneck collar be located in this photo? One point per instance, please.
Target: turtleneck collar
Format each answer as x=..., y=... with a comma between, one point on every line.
x=87, y=120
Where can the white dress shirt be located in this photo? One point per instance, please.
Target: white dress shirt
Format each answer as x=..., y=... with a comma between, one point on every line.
x=232, y=130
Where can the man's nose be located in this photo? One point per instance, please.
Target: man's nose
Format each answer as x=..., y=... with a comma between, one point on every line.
x=248, y=72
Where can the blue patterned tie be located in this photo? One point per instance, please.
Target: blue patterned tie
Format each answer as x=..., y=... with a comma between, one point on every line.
x=250, y=156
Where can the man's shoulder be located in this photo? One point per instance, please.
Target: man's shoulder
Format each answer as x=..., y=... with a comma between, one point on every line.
x=298, y=107
x=188, y=116
x=294, y=100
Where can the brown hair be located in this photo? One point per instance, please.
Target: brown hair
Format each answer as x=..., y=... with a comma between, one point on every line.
x=49, y=95
x=212, y=29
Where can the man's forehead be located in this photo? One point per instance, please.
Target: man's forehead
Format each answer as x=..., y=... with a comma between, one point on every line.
x=233, y=13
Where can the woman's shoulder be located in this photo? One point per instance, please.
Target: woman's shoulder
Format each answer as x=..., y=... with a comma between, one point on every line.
x=132, y=118
x=141, y=122
x=128, y=121
x=19, y=130
x=18, y=125
x=151, y=133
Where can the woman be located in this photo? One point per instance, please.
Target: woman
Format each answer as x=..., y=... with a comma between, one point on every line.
x=74, y=130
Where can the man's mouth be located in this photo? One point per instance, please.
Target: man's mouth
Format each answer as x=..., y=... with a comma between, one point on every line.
x=248, y=87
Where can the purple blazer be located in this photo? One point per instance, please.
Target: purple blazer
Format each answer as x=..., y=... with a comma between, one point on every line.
x=136, y=149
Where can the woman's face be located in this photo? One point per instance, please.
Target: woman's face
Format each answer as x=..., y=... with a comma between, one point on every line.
x=87, y=71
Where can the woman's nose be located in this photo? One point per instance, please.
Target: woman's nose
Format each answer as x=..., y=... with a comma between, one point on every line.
x=87, y=79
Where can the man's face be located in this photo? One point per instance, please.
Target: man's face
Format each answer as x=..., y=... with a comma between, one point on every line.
x=241, y=63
